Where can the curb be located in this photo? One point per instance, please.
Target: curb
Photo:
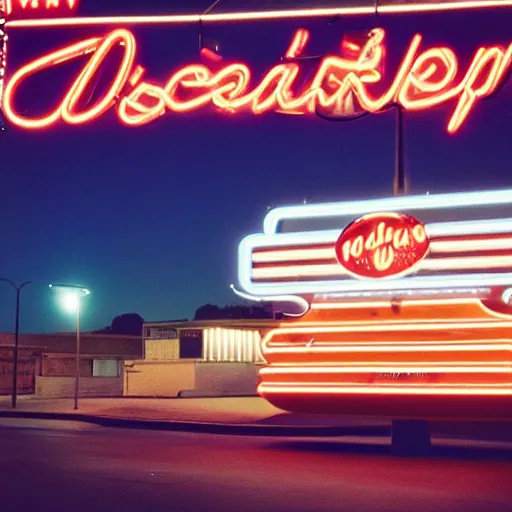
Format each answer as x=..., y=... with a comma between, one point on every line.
x=231, y=429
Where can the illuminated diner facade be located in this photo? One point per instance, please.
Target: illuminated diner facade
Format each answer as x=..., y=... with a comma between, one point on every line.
x=398, y=307
x=226, y=340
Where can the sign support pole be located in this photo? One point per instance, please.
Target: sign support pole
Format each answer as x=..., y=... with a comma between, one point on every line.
x=408, y=437
x=400, y=182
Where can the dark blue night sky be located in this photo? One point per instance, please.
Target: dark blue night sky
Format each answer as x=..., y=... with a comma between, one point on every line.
x=150, y=218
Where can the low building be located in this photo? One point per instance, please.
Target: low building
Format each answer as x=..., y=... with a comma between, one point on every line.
x=198, y=358
x=47, y=363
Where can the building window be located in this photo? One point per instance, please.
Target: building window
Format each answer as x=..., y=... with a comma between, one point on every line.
x=191, y=344
x=161, y=333
x=105, y=368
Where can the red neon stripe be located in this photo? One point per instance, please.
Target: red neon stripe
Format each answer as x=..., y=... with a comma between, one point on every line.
x=450, y=238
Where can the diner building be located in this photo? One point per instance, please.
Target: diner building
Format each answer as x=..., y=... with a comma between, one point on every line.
x=198, y=358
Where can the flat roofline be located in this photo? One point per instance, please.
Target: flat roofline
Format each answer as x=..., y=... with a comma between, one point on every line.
x=72, y=333
x=68, y=355
x=215, y=323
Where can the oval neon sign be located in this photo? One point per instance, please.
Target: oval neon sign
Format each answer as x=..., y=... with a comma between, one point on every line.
x=382, y=245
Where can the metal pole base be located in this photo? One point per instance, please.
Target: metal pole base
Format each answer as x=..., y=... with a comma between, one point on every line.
x=410, y=437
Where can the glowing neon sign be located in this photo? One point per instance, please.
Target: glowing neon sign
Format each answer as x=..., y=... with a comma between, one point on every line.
x=382, y=245
x=342, y=86
x=38, y=7
x=463, y=252
x=430, y=348
x=441, y=332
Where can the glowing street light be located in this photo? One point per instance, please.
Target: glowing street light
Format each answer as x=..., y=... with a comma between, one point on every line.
x=18, y=289
x=70, y=300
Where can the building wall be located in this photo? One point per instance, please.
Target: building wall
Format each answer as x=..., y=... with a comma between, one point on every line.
x=127, y=347
x=28, y=367
x=162, y=349
x=226, y=379
x=64, y=387
x=64, y=365
x=53, y=355
x=158, y=378
x=189, y=378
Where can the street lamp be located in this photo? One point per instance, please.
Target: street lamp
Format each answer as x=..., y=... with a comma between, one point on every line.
x=71, y=302
x=17, y=289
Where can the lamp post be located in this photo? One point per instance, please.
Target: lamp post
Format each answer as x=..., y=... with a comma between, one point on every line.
x=72, y=301
x=17, y=289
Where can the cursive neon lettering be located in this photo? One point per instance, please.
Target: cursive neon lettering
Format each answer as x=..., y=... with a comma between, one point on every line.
x=419, y=234
x=383, y=258
x=69, y=105
x=382, y=244
x=341, y=86
x=299, y=42
x=64, y=55
x=423, y=87
x=499, y=62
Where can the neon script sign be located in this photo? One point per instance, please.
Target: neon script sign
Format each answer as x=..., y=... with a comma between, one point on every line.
x=342, y=85
x=382, y=245
x=27, y=7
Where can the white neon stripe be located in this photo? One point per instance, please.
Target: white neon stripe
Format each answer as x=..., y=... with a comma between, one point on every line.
x=311, y=254
x=294, y=271
x=405, y=294
x=471, y=245
x=478, y=262
x=249, y=243
x=189, y=18
x=410, y=284
x=365, y=347
x=299, y=271
x=381, y=385
x=386, y=303
x=363, y=327
x=303, y=303
x=288, y=13
x=395, y=204
x=445, y=6
x=256, y=15
x=338, y=348
x=422, y=346
x=305, y=254
x=469, y=227
x=252, y=242
x=413, y=346
x=423, y=367
x=389, y=325
x=324, y=237
x=103, y=20
x=465, y=389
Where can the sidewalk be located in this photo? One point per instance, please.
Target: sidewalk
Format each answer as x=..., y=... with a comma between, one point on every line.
x=240, y=415
x=233, y=416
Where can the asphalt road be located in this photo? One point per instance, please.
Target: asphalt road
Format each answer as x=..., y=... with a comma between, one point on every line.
x=57, y=466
